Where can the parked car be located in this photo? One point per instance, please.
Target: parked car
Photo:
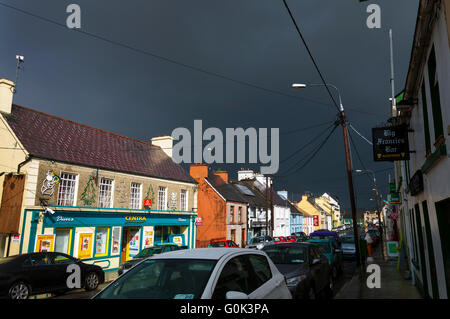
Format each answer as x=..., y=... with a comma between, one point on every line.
x=348, y=246
x=22, y=276
x=307, y=270
x=223, y=244
x=332, y=251
x=259, y=242
x=205, y=273
x=279, y=239
x=300, y=236
x=291, y=239
x=324, y=234
x=147, y=252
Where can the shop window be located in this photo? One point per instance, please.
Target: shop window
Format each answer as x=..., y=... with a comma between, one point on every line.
x=106, y=186
x=101, y=241
x=62, y=240
x=135, y=196
x=67, y=188
x=162, y=198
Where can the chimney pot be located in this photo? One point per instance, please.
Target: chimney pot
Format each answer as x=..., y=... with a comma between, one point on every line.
x=6, y=95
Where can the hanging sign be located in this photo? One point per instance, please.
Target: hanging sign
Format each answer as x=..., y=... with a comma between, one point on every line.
x=390, y=143
x=316, y=220
x=147, y=202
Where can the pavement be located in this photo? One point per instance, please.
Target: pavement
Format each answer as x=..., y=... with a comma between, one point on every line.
x=393, y=284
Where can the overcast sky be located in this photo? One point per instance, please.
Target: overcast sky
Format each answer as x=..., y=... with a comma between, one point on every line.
x=137, y=94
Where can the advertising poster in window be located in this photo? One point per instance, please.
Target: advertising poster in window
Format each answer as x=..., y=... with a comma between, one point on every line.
x=177, y=240
x=148, y=238
x=101, y=241
x=85, y=246
x=134, y=242
x=115, y=240
x=45, y=243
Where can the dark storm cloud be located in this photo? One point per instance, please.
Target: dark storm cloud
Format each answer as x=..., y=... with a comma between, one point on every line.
x=100, y=84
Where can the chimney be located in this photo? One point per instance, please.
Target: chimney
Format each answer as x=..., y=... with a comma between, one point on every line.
x=198, y=171
x=165, y=142
x=221, y=177
x=245, y=174
x=6, y=95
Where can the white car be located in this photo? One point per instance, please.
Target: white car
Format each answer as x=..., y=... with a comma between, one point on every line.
x=206, y=273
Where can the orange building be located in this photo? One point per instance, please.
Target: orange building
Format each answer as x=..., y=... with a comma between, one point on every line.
x=222, y=210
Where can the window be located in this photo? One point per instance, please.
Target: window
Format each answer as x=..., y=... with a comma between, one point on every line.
x=239, y=219
x=162, y=198
x=435, y=95
x=67, y=188
x=135, y=196
x=426, y=126
x=101, y=241
x=262, y=270
x=231, y=214
x=183, y=200
x=62, y=240
x=234, y=277
x=106, y=186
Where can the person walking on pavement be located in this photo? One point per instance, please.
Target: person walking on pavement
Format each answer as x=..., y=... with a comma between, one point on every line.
x=369, y=244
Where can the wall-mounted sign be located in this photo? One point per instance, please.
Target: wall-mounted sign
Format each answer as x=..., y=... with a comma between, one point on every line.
x=390, y=143
x=316, y=220
x=135, y=219
x=394, y=198
x=392, y=248
x=198, y=221
x=148, y=202
x=45, y=243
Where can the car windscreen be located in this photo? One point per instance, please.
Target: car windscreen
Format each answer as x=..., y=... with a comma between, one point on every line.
x=162, y=279
x=286, y=254
x=218, y=244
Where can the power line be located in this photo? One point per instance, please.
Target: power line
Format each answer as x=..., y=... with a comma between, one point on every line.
x=169, y=60
x=288, y=172
x=310, y=55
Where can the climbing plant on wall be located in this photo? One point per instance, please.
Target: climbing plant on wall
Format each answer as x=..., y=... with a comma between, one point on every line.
x=150, y=194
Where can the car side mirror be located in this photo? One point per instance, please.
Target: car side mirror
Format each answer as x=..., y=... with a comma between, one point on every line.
x=236, y=295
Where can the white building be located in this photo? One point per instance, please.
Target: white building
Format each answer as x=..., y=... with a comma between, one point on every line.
x=425, y=107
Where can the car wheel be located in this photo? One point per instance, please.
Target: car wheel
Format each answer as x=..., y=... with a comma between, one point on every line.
x=91, y=281
x=19, y=290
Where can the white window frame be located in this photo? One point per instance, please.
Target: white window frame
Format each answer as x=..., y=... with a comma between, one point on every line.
x=75, y=191
x=100, y=193
x=183, y=206
x=162, y=204
x=134, y=200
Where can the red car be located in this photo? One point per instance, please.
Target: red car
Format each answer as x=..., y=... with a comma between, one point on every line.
x=279, y=239
x=291, y=239
x=223, y=244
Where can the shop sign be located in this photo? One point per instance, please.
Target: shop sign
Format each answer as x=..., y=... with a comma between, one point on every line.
x=15, y=238
x=316, y=220
x=392, y=188
x=390, y=143
x=198, y=221
x=135, y=219
x=394, y=198
x=392, y=248
x=148, y=202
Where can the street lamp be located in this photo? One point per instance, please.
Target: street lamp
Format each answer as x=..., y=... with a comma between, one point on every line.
x=348, y=163
x=378, y=204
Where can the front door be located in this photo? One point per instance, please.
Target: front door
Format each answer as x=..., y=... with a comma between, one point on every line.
x=130, y=243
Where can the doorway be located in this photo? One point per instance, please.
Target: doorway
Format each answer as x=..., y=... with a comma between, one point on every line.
x=130, y=243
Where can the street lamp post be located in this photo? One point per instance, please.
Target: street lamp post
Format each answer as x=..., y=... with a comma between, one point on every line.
x=378, y=204
x=349, y=166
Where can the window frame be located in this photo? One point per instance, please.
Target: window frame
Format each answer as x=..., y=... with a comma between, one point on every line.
x=133, y=200
x=111, y=203
x=75, y=189
x=162, y=205
x=106, y=253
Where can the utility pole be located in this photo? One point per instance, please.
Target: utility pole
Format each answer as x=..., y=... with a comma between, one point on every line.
x=350, y=186
x=267, y=207
x=271, y=208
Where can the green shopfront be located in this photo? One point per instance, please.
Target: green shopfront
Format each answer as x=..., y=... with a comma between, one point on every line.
x=105, y=237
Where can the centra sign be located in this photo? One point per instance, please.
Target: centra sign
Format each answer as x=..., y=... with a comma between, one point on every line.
x=135, y=219
x=390, y=143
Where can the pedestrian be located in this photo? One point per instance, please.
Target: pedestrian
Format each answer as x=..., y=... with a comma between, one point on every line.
x=369, y=244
